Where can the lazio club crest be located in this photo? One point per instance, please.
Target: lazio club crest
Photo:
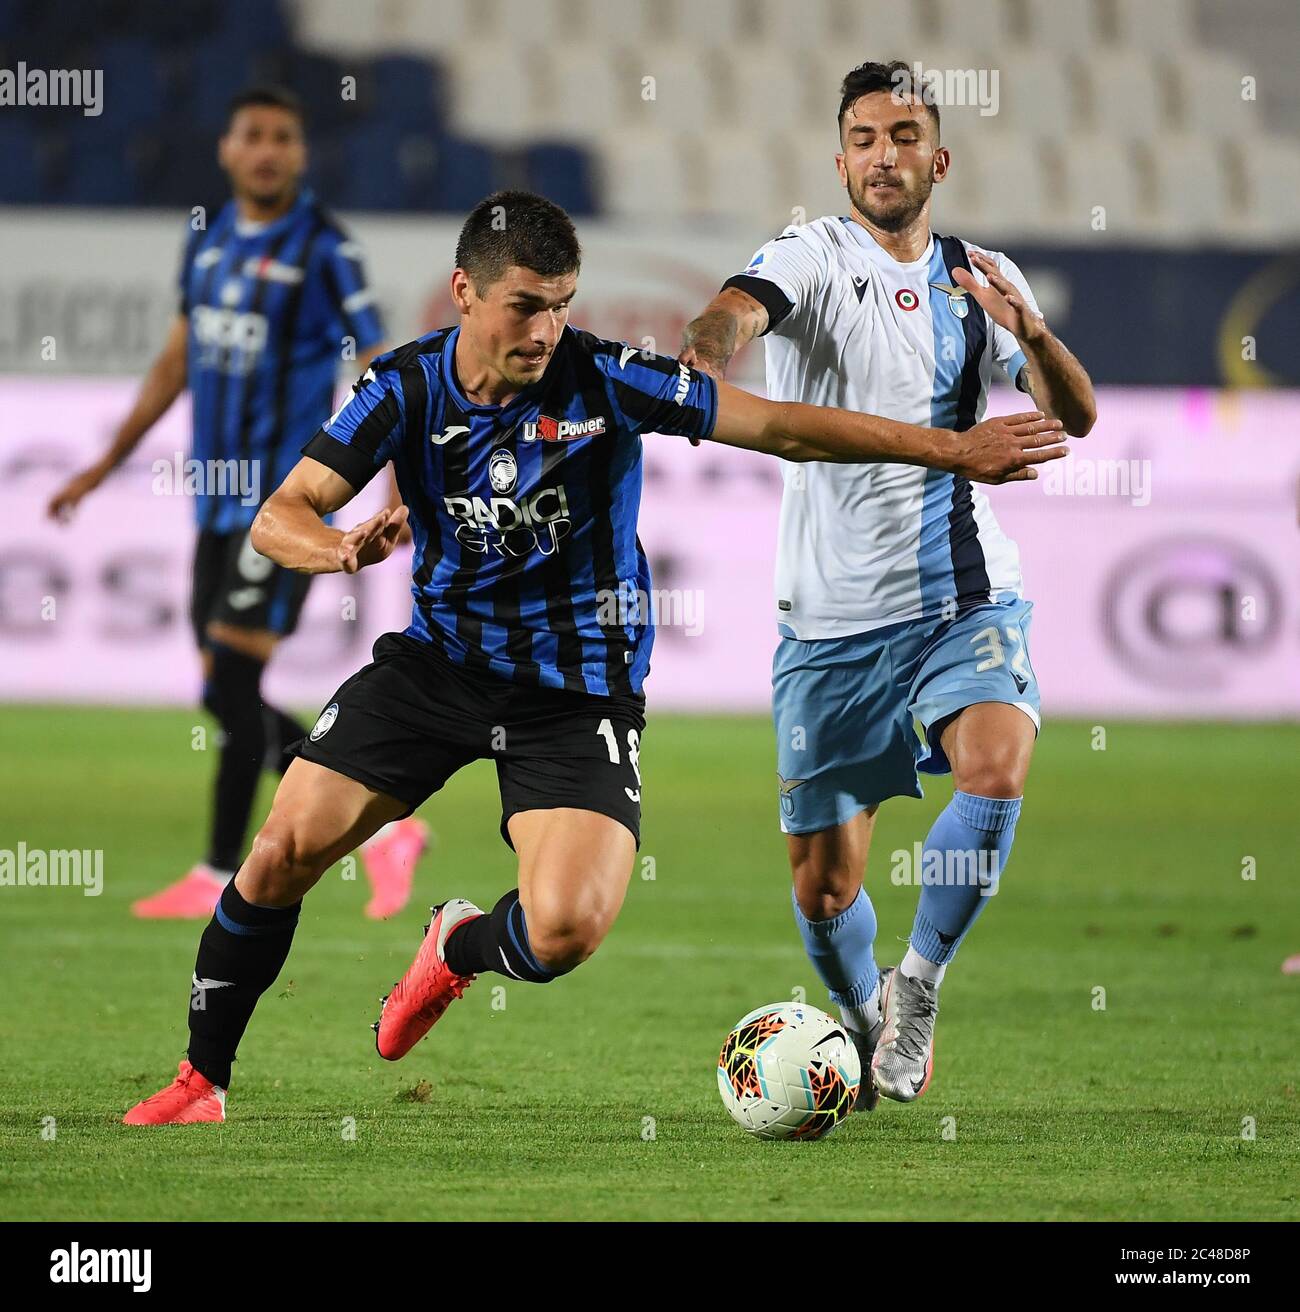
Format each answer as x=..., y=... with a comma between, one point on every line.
x=957, y=301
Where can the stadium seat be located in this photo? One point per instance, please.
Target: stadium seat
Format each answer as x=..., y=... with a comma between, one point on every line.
x=344, y=25
x=496, y=88
x=609, y=90
x=686, y=91
x=811, y=180
x=613, y=23
x=22, y=178
x=1128, y=94
x=463, y=173
x=649, y=176
x=217, y=73
x=873, y=32
x=1192, y=186
x=1038, y=94
x=767, y=91
x=1155, y=25
x=96, y=175
x=811, y=25
x=1070, y=28
x=991, y=23
x=747, y=177
x=373, y=177
x=1268, y=210
x=254, y=24
x=405, y=91
x=720, y=24
x=1002, y=181
x=1208, y=91
x=133, y=87
x=564, y=173
x=1101, y=172
x=446, y=28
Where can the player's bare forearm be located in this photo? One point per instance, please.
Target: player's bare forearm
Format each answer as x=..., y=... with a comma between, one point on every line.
x=290, y=527
x=1058, y=383
x=161, y=386
x=998, y=450
x=730, y=320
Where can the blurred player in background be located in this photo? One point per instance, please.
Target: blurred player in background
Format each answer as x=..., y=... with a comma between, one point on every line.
x=271, y=290
x=898, y=596
x=517, y=444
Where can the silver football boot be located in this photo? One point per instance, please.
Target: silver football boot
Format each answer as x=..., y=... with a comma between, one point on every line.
x=903, y=1062
x=868, y=1094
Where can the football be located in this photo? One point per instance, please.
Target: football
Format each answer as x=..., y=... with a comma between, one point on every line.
x=788, y=1071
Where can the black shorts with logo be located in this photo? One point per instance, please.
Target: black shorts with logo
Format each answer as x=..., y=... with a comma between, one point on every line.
x=410, y=719
x=233, y=585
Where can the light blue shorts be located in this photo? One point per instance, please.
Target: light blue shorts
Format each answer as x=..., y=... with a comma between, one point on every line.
x=846, y=708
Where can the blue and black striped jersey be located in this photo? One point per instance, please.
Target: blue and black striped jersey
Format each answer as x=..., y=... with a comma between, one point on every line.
x=526, y=562
x=270, y=312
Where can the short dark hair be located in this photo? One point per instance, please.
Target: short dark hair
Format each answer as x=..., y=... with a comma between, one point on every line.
x=516, y=227
x=273, y=96
x=895, y=77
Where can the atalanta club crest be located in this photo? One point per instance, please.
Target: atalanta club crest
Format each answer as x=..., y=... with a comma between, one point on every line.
x=326, y=721
x=503, y=473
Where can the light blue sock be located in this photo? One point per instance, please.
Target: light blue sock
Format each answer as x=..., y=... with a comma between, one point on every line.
x=964, y=855
x=840, y=950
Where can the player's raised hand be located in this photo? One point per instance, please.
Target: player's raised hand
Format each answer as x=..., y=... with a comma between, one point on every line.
x=1002, y=299
x=371, y=541
x=1005, y=449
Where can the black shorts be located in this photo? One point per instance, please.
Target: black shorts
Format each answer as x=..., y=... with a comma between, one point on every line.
x=233, y=585
x=411, y=718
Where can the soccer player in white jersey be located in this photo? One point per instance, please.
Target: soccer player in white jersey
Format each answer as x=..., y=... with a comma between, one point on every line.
x=898, y=597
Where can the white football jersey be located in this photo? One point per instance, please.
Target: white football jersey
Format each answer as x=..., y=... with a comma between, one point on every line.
x=863, y=546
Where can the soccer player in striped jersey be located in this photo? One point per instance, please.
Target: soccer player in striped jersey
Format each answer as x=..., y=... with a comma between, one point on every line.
x=273, y=298
x=517, y=444
x=898, y=597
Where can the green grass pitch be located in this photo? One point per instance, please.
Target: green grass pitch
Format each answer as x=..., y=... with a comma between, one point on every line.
x=595, y=1098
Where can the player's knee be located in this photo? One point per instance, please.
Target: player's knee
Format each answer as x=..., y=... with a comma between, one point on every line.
x=562, y=946
x=996, y=776
x=278, y=870
x=825, y=887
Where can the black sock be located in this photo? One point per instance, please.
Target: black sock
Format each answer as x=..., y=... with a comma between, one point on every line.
x=481, y=944
x=281, y=730
x=241, y=952
x=233, y=695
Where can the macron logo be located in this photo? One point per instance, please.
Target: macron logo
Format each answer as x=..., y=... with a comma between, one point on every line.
x=75, y=1265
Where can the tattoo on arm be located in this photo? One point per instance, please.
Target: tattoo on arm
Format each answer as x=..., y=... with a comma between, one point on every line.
x=712, y=337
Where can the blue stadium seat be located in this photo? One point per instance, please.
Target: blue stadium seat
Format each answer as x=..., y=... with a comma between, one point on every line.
x=464, y=172
x=372, y=178
x=406, y=92
x=133, y=87
x=562, y=173
x=94, y=175
x=255, y=24
x=21, y=181
x=218, y=72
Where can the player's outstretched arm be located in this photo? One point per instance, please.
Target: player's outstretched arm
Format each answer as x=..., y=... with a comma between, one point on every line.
x=164, y=382
x=730, y=319
x=290, y=528
x=1001, y=450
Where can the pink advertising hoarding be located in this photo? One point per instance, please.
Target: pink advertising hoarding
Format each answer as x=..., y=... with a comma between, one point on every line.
x=1161, y=559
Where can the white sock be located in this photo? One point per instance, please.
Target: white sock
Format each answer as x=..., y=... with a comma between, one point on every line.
x=915, y=966
x=380, y=834
x=863, y=1018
